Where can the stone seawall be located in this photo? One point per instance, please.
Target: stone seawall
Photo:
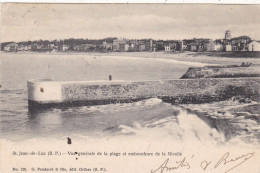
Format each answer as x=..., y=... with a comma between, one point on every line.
x=222, y=72
x=179, y=91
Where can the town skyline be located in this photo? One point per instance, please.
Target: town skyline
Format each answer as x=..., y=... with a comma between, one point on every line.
x=229, y=43
x=29, y=22
x=124, y=38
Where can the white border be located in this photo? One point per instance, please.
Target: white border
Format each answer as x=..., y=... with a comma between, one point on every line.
x=141, y=1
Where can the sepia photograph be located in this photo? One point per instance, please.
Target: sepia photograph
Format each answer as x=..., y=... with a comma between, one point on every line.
x=130, y=88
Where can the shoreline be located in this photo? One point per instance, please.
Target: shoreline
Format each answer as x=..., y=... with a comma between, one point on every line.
x=231, y=54
x=213, y=58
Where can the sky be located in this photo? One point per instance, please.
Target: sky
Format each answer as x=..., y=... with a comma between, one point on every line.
x=24, y=22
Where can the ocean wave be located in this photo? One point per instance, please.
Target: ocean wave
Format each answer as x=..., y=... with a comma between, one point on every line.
x=182, y=128
x=235, y=118
x=115, y=107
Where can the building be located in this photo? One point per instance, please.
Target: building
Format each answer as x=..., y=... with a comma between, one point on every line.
x=179, y=46
x=11, y=47
x=254, y=46
x=200, y=47
x=123, y=47
x=117, y=42
x=235, y=47
x=85, y=47
x=159, y=45
x=167, y=48
x=29, y=47
x=107, y=46
x=149, y=45
x=21, y=47
x=76, y=47
x=133, y=46
x=7, y=48
x=141, y=47
x=36, y=46
x=64, y=47
x=228, y=35
x=191, y=47
x=218, y=47
x=228, y=48
x=51, y=45
x=240, y=43
x=210, y=46
x=170, y=47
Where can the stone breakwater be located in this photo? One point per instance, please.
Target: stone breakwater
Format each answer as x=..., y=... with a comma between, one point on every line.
x=222, y=72
x=45, y=94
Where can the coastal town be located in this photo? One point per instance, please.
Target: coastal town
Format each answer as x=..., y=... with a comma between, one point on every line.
x=113, y=44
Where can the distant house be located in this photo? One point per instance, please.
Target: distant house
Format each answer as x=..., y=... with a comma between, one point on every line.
x=170, y=47
x=29, y=47
x=191, y=47
x=76, y=47
x=123, y=47
x=218, y=47
x=158, y=46
x=63, y=47
x=21, y=48
x=210, y=46
x=167, y=48
x=240, y=43
x=117, y=42
x=133, y=46
x=200, y=48
x=11, y=47
x=85, y=47
x=235, y=47
x=149, y=45
x=7, y=48
x=141, y=47
x=228, y=48
x=254, y=46
x=26, y=47
x=51, y=45
x=180, y=46
x=107, y=46
x=36, y=46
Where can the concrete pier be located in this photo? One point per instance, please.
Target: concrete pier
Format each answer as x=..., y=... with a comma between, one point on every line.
x=46, y=94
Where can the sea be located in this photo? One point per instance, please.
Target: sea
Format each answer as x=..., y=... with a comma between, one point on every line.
x=233, y=120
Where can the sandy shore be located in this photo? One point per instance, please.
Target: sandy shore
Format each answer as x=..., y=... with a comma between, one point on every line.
x=183, y=56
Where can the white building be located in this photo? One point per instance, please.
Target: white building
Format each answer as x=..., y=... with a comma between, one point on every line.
x=167, y=48
x=11, y=47
x=51, y=45
x=218, y=47
x=228, y=48
x=117, y=42
x=64, y=47
x=170, y=47
x=7, y=48
x=254, y=46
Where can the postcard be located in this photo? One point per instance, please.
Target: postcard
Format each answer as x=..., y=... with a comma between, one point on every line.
x=130, y=88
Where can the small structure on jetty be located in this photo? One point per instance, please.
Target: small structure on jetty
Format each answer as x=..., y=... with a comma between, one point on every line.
x=198, y=85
